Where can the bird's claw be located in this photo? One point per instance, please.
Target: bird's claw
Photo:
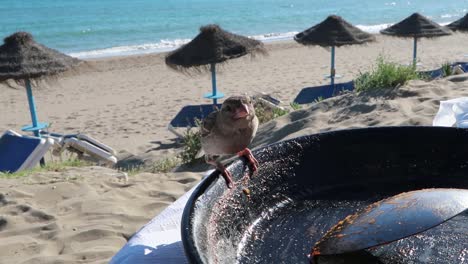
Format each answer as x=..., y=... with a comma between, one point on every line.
x=227, y=177
x=253, y=162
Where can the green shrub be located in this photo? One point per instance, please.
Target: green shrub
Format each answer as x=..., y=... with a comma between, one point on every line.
x=319, y=99
x=277, y=112
x=385, y=75
x=165, y=164
x=447, y=69
x=192, y=145
x=262, y=114
x=266, y=113
x=133, y=170
x=295, y=106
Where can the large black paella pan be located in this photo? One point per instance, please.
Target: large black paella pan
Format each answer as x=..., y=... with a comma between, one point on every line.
x=307, y=185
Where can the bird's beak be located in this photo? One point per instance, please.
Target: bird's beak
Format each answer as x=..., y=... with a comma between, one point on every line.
x=242, y=111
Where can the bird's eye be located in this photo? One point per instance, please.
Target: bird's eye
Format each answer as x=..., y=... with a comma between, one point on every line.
x=227, y=108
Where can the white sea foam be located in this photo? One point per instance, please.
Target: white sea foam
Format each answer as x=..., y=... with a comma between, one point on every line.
x=168, y=45
x=373, y=28
x=448, y=15
x=275, y=36
x=162, y=46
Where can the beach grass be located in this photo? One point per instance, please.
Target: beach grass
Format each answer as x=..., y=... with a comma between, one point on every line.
x=447, y=69
x=56, y=166
x=295, y=106
x=319, y=99
x=266, y=113
x=191, y=144
x=385, y=75
x=165, y=165
x=134, y=170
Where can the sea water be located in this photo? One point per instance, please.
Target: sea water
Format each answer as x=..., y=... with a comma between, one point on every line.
x=100, y=28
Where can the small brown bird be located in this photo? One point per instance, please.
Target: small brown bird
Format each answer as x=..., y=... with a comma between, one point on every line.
x=229, y=131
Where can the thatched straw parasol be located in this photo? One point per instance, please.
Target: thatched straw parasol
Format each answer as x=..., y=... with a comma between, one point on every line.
x=213, y=45
x=23, y=59
x=416, y=26
x=333, y=32
x=460, y=25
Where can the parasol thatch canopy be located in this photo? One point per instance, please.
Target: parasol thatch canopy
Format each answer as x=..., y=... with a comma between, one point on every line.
x=23, y=58
x=212, y=45
x=333, y=31
x=416, y=26
x=461, y=24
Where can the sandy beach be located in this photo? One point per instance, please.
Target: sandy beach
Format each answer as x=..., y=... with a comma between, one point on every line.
x=128, y=102
x=85, y=215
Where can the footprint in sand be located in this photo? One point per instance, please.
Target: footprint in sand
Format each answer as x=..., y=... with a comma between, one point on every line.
x=3, y=223
x=3, y=200
x=17, y=213
x=31, y=214
x=417, y=108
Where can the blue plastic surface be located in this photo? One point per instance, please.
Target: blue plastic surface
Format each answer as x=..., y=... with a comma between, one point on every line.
x=14, y=151
x=310, y=94
x=438, y=72
x=188, y=114
x=213, y=96
x=32, y=128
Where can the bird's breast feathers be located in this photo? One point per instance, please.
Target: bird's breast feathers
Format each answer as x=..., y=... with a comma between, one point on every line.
x=228, y=141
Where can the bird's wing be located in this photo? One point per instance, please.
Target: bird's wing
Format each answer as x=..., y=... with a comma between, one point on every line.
x=208, y=124
x=255, y=124
x=200, y=153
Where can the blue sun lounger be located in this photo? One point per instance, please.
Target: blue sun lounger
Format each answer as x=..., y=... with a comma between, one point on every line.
x=19, y=152
x=433, y=74
x=310, y=94
x=188, y=116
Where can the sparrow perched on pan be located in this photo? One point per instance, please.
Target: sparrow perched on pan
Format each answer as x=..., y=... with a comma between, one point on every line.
x=229, y=131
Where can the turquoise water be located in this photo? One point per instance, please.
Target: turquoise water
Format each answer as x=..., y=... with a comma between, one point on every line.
x=97, y=28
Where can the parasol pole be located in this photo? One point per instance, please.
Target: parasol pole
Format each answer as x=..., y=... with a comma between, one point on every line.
x=213, y=83
x=32, y=107
x=214, y=95
x=415, y=50
x=332, y=69
x=32, y=110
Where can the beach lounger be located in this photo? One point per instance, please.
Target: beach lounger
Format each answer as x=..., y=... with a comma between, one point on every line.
x=310, y=94
x=20, y=152
x=438, y=73
x=83, y=144
x=101, y=152
x=188, y=116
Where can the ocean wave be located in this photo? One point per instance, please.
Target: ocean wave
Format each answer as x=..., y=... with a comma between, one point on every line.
x=275, y=36
x=162, y=46
x=168, y=45
x=374, y=29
